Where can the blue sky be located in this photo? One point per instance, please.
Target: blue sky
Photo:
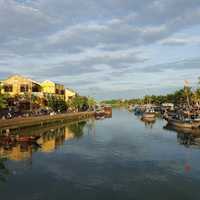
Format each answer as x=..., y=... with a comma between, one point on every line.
x=106, y=49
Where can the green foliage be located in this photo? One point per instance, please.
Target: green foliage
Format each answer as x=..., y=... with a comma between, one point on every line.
x=56, y=104
x=180, y=97
x=91, y=102
x=78, y=102
x=3, y=102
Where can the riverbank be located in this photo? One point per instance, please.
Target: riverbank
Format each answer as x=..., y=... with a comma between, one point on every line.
x=24, y=122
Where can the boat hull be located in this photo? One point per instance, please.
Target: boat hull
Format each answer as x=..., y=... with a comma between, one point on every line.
x=147, y=116
x=181, y=124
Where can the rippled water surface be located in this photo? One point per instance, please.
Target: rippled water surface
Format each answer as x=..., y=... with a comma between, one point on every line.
x=119, y=158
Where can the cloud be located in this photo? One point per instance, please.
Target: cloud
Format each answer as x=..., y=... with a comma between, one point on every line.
x=174, y=66
x=182, y=40
x=81, y=39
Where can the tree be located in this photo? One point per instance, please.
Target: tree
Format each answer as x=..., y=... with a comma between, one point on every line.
x=79, y=103
x=56, y=104
x=91, y=102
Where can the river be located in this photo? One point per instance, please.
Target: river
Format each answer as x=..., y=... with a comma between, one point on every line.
x=118, y=158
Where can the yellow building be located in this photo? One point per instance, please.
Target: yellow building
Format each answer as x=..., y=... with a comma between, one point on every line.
x=54, y=89
x=19, y=85
x=69, y=94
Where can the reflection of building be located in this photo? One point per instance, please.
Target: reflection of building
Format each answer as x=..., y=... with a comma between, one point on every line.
x=51, y=140
x=47, y=139
x=53, y=89
x=17, y=152
x=19, y=85
x=48, y=145
x=69, y=135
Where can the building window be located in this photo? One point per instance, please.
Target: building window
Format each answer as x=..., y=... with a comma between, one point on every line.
x=62, y=92
x=24, y=88
x=8, y=88
x=57, y=91
x=36, y=88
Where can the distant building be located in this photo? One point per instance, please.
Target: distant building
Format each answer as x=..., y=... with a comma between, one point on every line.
x=19, y=85
x=69, y=94
x=53, y=89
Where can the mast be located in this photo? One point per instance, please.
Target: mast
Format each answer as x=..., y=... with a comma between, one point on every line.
x=186, y=88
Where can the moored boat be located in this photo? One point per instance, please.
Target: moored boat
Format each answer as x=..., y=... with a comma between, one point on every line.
x=184, y=123
x=149, y=114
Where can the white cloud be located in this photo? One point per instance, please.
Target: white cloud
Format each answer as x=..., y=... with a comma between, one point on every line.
x=79, y=39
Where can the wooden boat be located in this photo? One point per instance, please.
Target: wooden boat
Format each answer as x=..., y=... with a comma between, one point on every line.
x=182, y=130
x=149, y=114
x=103, y=111
x=187, y=123
x=107, y=111
x=99, y=114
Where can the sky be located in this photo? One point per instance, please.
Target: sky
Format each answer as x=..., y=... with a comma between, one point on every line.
x=103, y=48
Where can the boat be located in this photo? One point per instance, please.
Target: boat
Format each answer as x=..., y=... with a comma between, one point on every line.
x=139, y=110
x=149, y=114
x=107, y=111
x=103, y=111
x=184, y=123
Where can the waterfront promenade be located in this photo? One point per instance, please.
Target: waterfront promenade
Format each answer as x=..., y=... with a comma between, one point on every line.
x=23, y=122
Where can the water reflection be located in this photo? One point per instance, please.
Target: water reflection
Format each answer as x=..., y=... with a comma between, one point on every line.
x=149, y=122
x=125, y=160
x=186, y=137
x=20, y=145
x=4, y=172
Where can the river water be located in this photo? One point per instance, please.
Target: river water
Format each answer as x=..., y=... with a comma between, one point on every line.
x=118, y=158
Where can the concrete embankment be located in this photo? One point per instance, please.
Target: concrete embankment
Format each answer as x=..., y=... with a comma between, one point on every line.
x=24, y=122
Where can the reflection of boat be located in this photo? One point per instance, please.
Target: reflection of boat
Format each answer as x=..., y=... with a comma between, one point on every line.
x=10, y=139
x=186, y=136
x=100, y=117
x=149, y=120
x=27, y=138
